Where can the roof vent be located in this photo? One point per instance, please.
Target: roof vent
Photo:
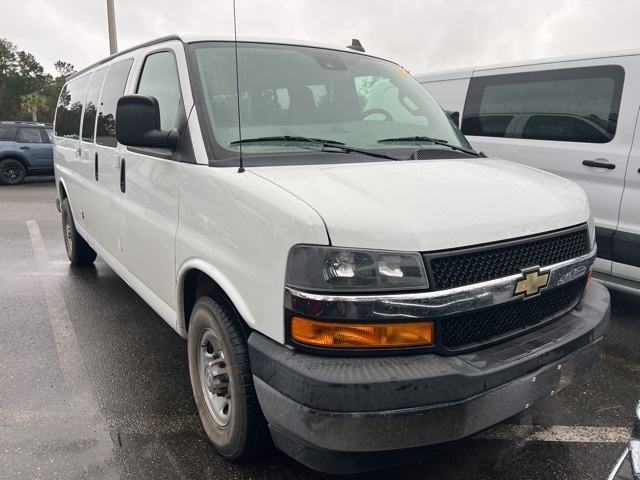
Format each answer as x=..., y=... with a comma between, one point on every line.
x=356, y=45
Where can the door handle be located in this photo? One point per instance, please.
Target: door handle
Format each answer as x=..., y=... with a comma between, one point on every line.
x=596, y=164
x=123, y=185
x=25, y=148
x=96, y=166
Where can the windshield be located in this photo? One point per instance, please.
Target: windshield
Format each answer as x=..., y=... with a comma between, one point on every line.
x=293, y=91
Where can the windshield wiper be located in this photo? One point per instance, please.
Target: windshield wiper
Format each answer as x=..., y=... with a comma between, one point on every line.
x=437, y=141
x=316, y=141
x=286, y=138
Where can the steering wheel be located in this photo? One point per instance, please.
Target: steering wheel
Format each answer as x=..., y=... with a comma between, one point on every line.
x=372, y=111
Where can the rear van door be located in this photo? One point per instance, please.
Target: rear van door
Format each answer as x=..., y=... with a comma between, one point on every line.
x=575, y=119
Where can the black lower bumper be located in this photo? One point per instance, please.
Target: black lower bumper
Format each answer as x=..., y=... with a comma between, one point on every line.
x=322, y=410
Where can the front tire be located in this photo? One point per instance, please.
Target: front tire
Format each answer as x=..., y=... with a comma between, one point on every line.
x=222, y=381
x=78, y=250
x=12, y=172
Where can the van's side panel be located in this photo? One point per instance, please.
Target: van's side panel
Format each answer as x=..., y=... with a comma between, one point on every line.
x=244, y=241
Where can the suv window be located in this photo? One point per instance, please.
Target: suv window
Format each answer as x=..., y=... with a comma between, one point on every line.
x=69, y=111
x=113, y=89
x=159, y=79
x=8, y=133
x=571, y=104
x=29, y=135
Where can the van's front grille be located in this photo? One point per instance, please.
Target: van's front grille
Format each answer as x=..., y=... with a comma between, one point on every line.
x=481, y=327
x=468, y=266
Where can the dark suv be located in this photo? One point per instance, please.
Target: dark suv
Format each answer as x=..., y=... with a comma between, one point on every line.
x=25, y=149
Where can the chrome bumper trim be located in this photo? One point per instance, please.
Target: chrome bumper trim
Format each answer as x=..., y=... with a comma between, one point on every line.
x=438, y=304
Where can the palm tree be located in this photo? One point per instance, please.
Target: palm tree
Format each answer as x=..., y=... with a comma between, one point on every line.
x=34, y=103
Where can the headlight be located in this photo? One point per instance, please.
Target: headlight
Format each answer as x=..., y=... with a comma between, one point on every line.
x=330, y=268
x=591, y=227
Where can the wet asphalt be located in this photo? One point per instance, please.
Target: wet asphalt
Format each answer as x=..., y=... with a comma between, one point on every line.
x=94, y=384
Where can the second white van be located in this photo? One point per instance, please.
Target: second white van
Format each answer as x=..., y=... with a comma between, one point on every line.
x=576, y=117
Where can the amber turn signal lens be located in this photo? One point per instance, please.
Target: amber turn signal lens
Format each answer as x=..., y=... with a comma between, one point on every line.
x=349, y=335
x=586, y=285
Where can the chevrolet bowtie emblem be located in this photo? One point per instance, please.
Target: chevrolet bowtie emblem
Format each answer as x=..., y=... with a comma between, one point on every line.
x=532, y=283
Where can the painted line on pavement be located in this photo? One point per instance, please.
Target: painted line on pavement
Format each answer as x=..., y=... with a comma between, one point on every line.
x=564, y=434
x=71, y=363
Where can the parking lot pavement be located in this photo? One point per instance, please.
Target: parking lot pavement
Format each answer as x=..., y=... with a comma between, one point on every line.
x=95, y=385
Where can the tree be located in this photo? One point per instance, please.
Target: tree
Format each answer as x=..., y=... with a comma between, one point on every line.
x=34, y=103
x=64, y=69
x=26, y=91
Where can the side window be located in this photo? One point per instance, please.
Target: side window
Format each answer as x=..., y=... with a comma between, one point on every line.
x=91, y=105
x=159, y=79
x=29, y=135
x=113, y=89
x=69, y=109
x=8, y=133
x=569, y=105
x=564, y=128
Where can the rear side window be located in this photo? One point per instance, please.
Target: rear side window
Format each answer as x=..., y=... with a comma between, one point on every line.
x=69, y=110
x=113, y=89
x=90, y=107
x=8, y=133
x=568, y=105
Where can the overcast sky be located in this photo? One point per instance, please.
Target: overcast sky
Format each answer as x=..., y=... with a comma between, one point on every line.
x=421, y=35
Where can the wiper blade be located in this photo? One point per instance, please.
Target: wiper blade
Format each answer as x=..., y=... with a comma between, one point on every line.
x=316, y=141
x=437, y=141
x=286, y=138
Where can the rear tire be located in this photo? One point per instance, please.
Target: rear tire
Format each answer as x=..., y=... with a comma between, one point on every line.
x=78, y=250
x=222, y=381
x=12, y=172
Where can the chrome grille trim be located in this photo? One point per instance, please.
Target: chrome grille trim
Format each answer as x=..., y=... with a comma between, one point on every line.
x=429, y=305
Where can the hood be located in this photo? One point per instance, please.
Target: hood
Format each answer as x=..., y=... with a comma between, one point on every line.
x=432, y=205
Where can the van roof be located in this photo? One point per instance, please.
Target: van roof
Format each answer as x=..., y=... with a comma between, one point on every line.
x=461, y=73
x=186, y=39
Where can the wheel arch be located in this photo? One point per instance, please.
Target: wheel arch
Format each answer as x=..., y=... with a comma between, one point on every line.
x=196, y=279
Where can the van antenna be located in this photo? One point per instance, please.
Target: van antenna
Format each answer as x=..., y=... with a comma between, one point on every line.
x=235, y=43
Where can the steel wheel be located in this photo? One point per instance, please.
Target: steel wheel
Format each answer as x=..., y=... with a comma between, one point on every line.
x=222, y=381
x=214, y=380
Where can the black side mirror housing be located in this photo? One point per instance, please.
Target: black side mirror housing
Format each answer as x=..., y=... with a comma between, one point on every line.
x=455, y=116
x=138, y=123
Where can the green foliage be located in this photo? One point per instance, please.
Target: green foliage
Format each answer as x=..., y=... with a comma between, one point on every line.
x=26, y=91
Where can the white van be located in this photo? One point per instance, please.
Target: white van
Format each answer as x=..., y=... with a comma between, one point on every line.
x=348, y=287
x=575, y=117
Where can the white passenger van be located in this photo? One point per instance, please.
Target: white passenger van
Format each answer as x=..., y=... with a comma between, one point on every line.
x=353, y=281
x=576, y=117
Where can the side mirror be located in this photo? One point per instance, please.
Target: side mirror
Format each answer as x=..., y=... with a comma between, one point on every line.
x=138, y=123
x=455, y=116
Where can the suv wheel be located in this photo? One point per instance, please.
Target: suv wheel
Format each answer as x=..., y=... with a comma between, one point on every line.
x=12, y=172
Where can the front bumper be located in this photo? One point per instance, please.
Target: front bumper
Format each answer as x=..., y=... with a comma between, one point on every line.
x=319, y=407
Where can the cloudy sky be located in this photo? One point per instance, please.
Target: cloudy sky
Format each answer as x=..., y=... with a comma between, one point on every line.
x=421, y=35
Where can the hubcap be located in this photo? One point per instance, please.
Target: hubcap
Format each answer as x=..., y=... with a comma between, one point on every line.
x=11, y=173
x=214, y=379
x=67, y=238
